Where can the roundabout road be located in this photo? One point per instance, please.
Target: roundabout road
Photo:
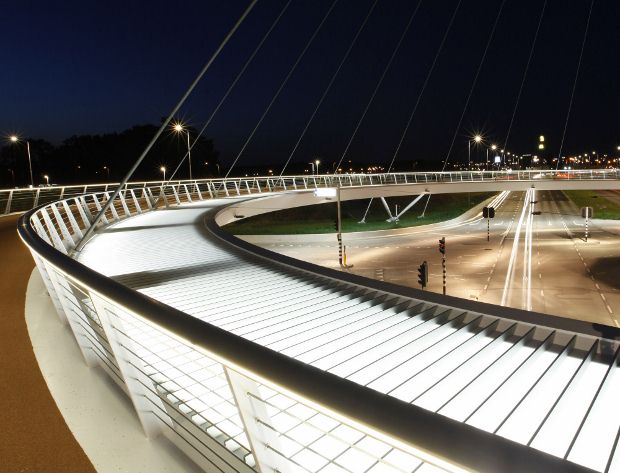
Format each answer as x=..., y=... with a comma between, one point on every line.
x=555, y=271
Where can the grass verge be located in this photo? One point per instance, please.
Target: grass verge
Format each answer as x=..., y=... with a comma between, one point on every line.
x=603, y=208
x=321, y=218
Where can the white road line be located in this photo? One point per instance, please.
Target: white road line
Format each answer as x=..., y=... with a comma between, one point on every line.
x=515, y=250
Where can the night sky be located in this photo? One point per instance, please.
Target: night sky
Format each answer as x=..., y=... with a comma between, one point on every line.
x=77, y=67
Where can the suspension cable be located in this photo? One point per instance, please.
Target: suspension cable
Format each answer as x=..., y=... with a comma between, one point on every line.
x=374, y=93
x=329, y=85
x=527, y=67
x=572, y=95
x=230, y=88
x=473, y=85
x=282, y=85
x=163, y=126
x=419, y=99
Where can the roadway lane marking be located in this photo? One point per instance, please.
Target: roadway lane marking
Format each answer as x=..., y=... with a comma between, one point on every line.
x=585, y=264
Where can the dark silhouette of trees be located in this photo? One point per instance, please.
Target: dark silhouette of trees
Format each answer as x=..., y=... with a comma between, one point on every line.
x=106, y=158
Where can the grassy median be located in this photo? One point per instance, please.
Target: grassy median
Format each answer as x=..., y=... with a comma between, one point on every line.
x=603, y=208
x=320, y=218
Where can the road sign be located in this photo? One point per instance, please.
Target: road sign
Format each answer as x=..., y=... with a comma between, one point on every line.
x=587, y=212
x=423, y=274
x=488, y=212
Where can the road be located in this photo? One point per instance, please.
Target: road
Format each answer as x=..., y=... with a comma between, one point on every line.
x=535, y=262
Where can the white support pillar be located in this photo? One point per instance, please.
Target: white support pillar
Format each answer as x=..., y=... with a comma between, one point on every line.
x=260, y=436
x=67, y=315
x=176, y=194
x=58, y=244
x=61, y=225
x=411, y=204
x=85, y=215
x=7, y=209
x=145, y=401
x=121, y=196
x=112, y=208
x=72, y=221
x=187, y=193
x=135, y=201
x=387, y=209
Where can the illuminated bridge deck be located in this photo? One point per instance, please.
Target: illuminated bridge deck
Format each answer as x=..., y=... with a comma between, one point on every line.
x=549, y=389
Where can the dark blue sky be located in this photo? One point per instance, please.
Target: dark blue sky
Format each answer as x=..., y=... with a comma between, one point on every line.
x=92, y=67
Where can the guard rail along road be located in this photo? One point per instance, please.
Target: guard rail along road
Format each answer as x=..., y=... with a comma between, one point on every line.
x=337, y=372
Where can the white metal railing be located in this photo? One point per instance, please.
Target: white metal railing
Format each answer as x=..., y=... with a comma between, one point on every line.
x=230, y=404
x=21, y=200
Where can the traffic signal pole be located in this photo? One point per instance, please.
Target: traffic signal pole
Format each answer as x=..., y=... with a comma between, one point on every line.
x=423, y=275
x=339, y=225
x=488, y=229
x=442, y=250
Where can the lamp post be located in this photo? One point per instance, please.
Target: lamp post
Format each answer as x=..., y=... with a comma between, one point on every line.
x=47, y=179
x=163, y=170
x=477, y=139
x=312, y=164
x=107, y=171
x=317, y=162
x=15, y=139
x=493, y=148
x=179, y=128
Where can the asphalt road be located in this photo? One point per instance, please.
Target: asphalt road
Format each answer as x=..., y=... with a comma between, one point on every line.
x=536, y=262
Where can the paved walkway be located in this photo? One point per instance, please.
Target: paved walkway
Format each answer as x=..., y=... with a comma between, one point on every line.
x=34, y=436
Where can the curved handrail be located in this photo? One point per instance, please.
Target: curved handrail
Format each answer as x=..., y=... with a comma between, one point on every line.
x=22, y=199
x=422, y=429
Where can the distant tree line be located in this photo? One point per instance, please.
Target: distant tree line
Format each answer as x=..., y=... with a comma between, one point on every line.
x=106, y=158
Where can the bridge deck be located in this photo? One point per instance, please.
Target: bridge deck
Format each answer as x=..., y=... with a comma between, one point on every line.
x=550, y=390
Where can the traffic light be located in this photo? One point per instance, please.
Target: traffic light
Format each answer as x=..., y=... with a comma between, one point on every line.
x=442, y=245
x=488, y=212
x=423, y=274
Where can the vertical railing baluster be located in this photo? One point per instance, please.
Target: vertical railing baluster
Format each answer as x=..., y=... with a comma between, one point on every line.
x=262, y=439
x=143, y=399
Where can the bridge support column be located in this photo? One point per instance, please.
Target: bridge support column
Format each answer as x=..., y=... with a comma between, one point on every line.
x=257, y=422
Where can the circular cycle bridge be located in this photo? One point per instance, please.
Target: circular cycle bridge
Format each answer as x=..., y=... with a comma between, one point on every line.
x=250, y=360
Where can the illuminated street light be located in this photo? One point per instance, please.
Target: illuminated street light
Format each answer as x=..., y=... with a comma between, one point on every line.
x=317, y=162
x=163, y=170
x=179, y=128
x=15, y=139
x=47, y=179
x=477, y=139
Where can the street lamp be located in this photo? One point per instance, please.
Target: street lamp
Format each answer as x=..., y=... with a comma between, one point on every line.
x=179, y=128
x=311, y=163
x=15, y=139
x=107, y=171
x=493, y=147
x=47, y=179
x=317, y=162
x=476, y=139
x=163, y=170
